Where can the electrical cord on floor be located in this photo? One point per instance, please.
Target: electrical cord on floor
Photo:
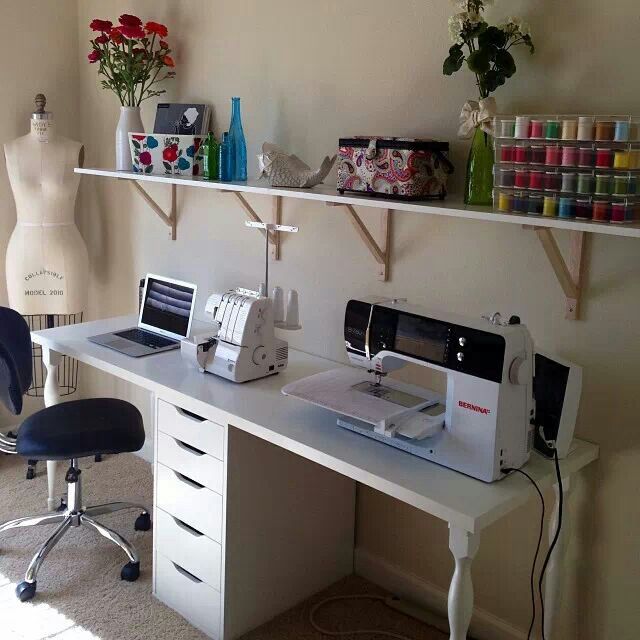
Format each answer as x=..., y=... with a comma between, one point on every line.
x=378, y=632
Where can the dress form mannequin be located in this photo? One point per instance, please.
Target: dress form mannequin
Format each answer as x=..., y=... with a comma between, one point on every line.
x=47, y=263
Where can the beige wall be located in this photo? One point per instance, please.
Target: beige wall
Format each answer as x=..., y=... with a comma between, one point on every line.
x=30, y=31
x=309, y=72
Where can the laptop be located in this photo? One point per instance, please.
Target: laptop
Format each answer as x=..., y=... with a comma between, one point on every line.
x=165, y=319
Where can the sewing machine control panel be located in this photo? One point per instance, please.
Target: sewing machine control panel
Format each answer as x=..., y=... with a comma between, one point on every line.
x=457, y=347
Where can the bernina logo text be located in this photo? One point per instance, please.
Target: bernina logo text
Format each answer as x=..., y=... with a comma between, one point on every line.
x=474, y=407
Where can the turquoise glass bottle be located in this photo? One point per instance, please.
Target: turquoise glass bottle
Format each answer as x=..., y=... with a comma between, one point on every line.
x=237, y=142
x=479, y=185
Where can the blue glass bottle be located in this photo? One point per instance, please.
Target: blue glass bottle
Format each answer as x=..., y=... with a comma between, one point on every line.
x=226, y=159
x=237, y=142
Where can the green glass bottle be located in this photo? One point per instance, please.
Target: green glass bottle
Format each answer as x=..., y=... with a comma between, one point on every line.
x=479, y=186
x=210, y=158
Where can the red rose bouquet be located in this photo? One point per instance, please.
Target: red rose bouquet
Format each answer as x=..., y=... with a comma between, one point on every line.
x=133, y=57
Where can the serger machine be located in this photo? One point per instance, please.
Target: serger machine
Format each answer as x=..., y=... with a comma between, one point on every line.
x=483, y=422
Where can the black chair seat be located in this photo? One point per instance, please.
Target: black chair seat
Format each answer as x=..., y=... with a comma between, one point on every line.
x=80, y=429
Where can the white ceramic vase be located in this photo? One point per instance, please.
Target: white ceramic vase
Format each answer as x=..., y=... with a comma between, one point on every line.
x=129, y=121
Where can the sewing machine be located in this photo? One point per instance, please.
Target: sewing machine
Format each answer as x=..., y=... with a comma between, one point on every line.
x=483, y=422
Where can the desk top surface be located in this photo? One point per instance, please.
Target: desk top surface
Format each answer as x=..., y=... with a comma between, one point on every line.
x=259, y=408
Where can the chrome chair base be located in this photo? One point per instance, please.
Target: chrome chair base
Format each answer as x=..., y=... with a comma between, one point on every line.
x=77, y=516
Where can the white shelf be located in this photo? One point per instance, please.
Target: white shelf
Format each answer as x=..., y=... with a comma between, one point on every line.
x=328, y=194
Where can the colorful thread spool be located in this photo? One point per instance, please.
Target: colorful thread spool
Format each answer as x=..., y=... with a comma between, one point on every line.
x=553, y=156
x=632, y=185
x=634, y=159
x=622, y=130
x=550, y=207
x=585, y=128
x=521, y=180
x=507, y=128
x=536, y=203
x=586, y=183
x=522, y=127
x=619, y=212
x=552, y=129
x=521, y=154
x=621, y=159
x=569, y=156
x=552, y=181
x=506, y=153
x=586, y=157
x=621, y=185
x=569, y=129
x=505, y=201
x=569, y=182
x=537, y=128
x=603, y=184
x=566, y=208
x=520, y=202
x=601, y=211
x=537, y=155
x=505, y=177
x=605, y=130
x=583, y=209
x=536, y=180
x=604, y=158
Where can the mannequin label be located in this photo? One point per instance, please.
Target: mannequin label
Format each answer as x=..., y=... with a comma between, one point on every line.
x=42, y=130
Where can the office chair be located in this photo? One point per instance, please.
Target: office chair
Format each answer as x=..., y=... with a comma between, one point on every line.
x=66, y=431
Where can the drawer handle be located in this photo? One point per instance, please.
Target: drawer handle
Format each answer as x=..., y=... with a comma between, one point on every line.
x=189, y=448
x=190, y=415
x=186, y=574
x=187, y=528
x=188, y=481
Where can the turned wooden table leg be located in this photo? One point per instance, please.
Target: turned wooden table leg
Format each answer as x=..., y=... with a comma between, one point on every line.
x=554, y=578
x=463, y=546
x=51, y=361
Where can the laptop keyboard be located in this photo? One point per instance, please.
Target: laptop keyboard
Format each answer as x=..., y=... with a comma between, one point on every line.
x=146, y=338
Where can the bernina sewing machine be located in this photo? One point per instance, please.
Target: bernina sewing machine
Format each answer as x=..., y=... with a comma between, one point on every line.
x=482, y=424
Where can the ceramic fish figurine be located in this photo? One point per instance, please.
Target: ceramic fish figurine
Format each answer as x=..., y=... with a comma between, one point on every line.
x=284, y=170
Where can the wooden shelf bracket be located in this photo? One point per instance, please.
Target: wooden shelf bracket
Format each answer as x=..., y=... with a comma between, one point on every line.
x=570, y=275
x=170, y=219
x=381, y=254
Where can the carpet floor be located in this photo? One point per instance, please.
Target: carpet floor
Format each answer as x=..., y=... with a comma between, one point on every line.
x=80, y=594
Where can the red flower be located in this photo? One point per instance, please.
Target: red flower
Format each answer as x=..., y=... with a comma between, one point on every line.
x=115, y=35
x=139, y=137
x=94, y=56
x=101, y=25
x=127, y=20
x=145, y=158
x=164, y=45
x=168, y=60
x=170, y=154
x=103, y=38
x=133, y=33
x=157, y=28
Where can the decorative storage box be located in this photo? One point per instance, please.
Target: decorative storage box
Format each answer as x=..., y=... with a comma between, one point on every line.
x=402, y=168
x=585, y=167
x=165, y=154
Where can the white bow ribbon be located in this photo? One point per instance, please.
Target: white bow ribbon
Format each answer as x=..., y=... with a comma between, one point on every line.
x=477, y=114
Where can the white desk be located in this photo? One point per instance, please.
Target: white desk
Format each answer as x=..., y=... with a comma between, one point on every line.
x=252, y=474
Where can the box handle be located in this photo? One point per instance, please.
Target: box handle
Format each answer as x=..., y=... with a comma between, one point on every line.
x=187, y=528
x=189, y=448
x=186, y=574
x=188, y=414
x=188, y=481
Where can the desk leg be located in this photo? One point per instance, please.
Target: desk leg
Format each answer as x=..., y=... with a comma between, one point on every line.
x=51, y=361
x=554, y=578
x=463, y=546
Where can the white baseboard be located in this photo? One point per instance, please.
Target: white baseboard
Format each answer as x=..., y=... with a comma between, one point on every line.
x=484, y=625
x=146, y=453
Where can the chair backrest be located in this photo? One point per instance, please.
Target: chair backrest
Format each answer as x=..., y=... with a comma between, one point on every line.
x=15, y=359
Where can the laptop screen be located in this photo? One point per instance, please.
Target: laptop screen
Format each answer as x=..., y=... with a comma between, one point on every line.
x=167, y=306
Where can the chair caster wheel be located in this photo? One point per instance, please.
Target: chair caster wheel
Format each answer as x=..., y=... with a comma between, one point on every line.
x=25, y=591
x=63, y=506
x=143, y=522
x=31, y=473
x=98, y=457
x=130, y=572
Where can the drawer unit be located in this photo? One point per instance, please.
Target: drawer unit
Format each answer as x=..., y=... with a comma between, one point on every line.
x=189, y=501
x=192, y=462
x=188, y=595
x=188, y=548
x=202, y=434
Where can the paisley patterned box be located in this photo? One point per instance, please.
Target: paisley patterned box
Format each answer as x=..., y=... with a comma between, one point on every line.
x=165, y=154
x=401, y=168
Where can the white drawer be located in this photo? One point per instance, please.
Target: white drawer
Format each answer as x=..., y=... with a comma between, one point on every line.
x=192, y=462
x=199, y=433
x=190, y=597
x=190, y=549
x=190, y=502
